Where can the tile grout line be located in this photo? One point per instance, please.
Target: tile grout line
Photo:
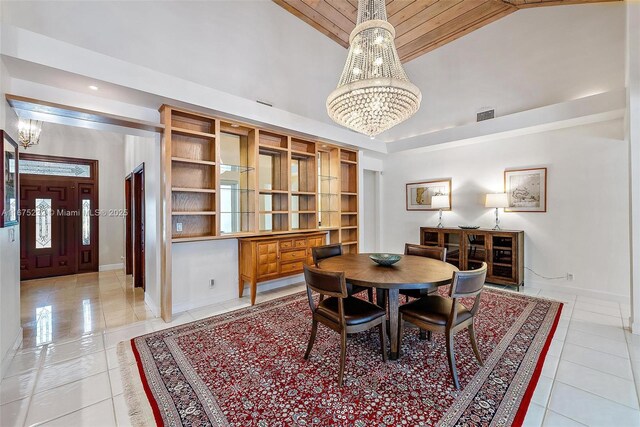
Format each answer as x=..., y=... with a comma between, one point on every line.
x=564, y=416
x=113, y=403
x=39, y=369
x=69, y=413
x=633, y=370
x=577, y=388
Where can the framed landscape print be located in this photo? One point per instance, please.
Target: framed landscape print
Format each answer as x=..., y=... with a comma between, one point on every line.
x=9, y=186
x=526, y=189
x=419, y=194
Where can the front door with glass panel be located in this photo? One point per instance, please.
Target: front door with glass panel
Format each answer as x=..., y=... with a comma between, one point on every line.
x=49, y=247
x=58, y=225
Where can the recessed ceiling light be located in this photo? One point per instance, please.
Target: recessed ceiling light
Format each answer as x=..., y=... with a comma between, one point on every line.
x=93, y=87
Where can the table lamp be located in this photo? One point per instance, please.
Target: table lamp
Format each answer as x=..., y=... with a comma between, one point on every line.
x=497, y=200
x=440, y=202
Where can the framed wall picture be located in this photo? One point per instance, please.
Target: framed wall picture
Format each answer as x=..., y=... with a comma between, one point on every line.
x=526, y=189
x=9, y=188
x=419, y=194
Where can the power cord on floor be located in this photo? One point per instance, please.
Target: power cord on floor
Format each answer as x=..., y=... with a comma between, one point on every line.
x=545, y=277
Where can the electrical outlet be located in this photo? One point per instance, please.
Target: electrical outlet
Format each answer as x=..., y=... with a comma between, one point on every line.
x=178, y=226
x=212, y=282
x=570, y=277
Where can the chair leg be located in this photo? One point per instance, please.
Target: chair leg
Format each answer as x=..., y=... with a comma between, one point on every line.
x=452, y=359
x=400, y=331
x=370, y=294
x=343, y=355
x=383, y=340
x=428, y=335
x=474, y=344
x=423, y=334
x=312, y=338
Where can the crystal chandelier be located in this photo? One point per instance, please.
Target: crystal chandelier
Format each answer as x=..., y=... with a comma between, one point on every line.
x=29, y=132
x=374, y=93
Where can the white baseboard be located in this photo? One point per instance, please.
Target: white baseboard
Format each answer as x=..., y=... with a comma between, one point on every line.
x=109, y=267
x=8, y=357
x=151, y=304
x=635, y=327
x=233, y=293
x=576, y=290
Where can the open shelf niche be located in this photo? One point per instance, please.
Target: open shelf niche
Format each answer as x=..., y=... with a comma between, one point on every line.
x=328, y=160
x=349, y=200
x=194, y=150
x=273, y=181
x=236, y=187
x=231, y=179
x=303, y=185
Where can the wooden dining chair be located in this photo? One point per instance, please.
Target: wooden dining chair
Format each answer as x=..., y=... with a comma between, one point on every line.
x=434, y=252
x=447, y=315
x=340, y=312
x=328, y=251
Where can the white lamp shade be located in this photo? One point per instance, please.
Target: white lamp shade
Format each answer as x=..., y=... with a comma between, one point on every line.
x=440, y=202
x=497, y=200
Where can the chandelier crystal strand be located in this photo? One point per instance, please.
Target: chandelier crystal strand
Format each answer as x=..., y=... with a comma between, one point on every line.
x=374, y=93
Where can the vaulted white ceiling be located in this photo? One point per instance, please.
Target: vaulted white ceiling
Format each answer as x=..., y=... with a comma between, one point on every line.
x=258, y=51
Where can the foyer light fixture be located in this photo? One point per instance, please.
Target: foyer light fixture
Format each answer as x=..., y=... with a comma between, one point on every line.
x=374, y=93
x=29, y=132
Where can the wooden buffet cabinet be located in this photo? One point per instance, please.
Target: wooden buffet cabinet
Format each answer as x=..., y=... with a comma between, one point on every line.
x=502, y=250
x=272, y=257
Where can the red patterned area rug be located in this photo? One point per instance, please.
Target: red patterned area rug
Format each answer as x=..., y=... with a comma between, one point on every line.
x=245, y=368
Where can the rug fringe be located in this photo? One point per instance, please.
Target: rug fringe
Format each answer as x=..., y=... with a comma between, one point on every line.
x=140, y=412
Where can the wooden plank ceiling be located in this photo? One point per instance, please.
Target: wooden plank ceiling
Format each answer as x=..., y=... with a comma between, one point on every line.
x=421, y=25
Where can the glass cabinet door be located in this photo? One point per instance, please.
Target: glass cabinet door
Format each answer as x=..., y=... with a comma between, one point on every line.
x=476, y=251
x=502, y=252
x=452, y=241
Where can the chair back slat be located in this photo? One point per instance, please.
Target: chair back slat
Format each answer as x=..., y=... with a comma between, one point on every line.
x=434, y=252
x=327, y=251
x=324, y=282
x=468, y=283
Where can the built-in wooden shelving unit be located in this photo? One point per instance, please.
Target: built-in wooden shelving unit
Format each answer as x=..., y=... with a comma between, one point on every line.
x=230, y=179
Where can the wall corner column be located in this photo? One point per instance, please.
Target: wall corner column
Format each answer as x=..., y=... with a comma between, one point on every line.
x=632, y=133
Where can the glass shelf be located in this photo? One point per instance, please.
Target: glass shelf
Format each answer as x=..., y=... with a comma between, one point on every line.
x=237, y=212
x=236, y=190
x=235, y=168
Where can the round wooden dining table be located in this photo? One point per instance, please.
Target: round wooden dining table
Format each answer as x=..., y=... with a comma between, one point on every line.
x=411, y=272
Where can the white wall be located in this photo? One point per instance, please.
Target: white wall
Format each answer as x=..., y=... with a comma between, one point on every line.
x=10, y=330
x=253, y=49
x=196, y=263
x=586, y=228
x=146, y=150
x=108, y=149
x=501, y=65
x=369, y=213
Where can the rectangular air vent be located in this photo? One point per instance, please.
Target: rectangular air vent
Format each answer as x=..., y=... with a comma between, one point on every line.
x=486, y=115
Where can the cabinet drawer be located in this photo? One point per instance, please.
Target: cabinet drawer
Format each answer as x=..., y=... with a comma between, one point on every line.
x=286, y=244
x=290, y=267
x=300, y=243
x=293, y=255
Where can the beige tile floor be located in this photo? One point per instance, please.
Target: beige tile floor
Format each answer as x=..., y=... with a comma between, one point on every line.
x=590, y=376
x=67, y=307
